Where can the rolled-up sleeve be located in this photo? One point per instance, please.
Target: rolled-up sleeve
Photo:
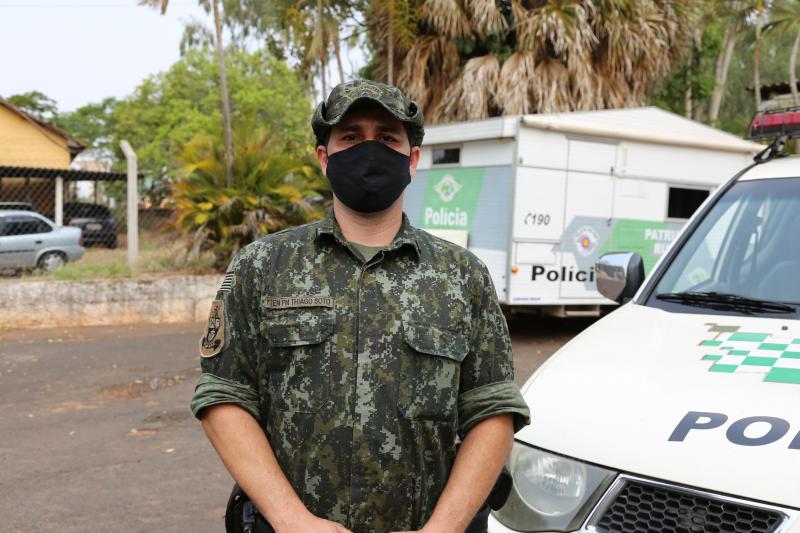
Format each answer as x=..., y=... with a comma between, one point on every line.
x=212, y=390
x=487, y=385
x=230, y=375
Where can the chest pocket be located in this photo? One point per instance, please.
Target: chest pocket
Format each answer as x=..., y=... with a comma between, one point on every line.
x=299, y=360
x=431, y=371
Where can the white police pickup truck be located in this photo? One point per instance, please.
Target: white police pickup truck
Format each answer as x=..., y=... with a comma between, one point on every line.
x=680, y=411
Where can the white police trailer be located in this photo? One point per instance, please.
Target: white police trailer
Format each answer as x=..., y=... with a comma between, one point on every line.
x=539, y=198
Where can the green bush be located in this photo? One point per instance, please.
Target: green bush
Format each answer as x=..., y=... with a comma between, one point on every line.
x=272, y=190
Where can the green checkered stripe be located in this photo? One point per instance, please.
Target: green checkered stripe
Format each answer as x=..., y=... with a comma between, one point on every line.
x=733, y=351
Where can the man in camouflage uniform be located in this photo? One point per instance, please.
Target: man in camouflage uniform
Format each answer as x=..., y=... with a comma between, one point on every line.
x=344, y=359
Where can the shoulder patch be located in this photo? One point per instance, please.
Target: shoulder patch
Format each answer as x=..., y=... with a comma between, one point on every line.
x=214, y=337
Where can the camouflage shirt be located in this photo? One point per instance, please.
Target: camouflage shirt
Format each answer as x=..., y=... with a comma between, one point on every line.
x=361, y=375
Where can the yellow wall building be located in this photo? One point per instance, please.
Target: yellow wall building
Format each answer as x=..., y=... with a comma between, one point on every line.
x=26, y=141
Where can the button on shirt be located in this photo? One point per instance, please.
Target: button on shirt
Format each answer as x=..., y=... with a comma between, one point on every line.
x=362, y=375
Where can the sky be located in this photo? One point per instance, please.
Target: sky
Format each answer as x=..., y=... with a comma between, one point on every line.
x=81, y=51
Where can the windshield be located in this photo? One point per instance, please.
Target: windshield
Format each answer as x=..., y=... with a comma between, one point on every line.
x=746, y=248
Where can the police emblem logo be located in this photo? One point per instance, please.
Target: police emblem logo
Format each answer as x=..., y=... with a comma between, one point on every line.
x=586, y=241
x=214, y=337
x=447, y=188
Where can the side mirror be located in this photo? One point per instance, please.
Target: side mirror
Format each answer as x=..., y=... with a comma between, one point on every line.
x=619, y=275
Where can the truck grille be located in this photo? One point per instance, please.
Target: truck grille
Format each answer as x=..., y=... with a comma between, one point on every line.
x=641, y=507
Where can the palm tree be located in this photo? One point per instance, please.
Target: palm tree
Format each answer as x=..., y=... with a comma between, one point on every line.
x=395, y=20
x=733, y=18
x=271, y=191
x=156, y=4
x=785, y=16
x=223, y=82
x=759, y=16
x=313, y=29
x=469, y=59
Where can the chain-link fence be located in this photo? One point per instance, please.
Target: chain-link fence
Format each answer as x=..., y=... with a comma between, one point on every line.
x=73, y=223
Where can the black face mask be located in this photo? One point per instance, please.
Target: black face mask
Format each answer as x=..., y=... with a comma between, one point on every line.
x=369, y=176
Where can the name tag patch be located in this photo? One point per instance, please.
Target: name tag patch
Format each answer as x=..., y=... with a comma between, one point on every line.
x=283, y=302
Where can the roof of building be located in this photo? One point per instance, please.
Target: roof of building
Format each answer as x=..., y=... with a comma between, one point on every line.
x=66, y=174
x=772, y=90
x=649, y=124
x=643, y=124
x=74, y=145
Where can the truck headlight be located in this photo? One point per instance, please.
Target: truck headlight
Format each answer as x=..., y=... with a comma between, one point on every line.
x=550, y=492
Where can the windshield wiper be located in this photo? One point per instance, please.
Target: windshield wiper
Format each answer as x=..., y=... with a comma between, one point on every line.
x=721, y=299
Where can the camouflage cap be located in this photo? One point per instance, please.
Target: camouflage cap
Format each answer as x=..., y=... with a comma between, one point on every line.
x=344, y=95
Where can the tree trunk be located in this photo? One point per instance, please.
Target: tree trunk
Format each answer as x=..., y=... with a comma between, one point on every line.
x=721, y=75
x=687, y=96
x=699, y=114
x=390, y=47
x=757, y=57
x=323, y=79
x=226, y=104
x=323, y=47
x=695, y=111
x=338, y=51
x=793, y=69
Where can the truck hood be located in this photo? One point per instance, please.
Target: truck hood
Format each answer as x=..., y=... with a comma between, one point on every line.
x=618, y=392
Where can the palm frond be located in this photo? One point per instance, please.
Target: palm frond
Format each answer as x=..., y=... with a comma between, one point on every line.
x=513, y=88
x=445, y=17
x=560, y=27
x=471, y=97
x=271, y=190
x=784, y=16
x=485, y=17
x=556, y=55
x=155, y=4
x=427, y=70
x=550, y=90
x=518, y=11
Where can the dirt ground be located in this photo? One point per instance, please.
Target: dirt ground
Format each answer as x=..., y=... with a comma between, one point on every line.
x=97, y=434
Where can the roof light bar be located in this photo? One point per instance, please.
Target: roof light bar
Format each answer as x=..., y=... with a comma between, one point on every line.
x=768, y=125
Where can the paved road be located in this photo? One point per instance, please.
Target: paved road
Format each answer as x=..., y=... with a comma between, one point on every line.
x=97, y=434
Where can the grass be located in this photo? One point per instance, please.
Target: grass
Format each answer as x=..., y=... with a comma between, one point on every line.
x=158, y=255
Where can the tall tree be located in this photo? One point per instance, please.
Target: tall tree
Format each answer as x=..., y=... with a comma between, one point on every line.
x=734, y=17
x=691, y=83
x=470, y=60
x=93, y=124
x=307, y=32
x=226, y=100
x=721, y=67
x=313, y=31
x=395, y=20
x=223, y=78
x=719, y=25
x=785, y=16
x=37, y=104
x=169, y=108
x=759, y=20
x=738, y=107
